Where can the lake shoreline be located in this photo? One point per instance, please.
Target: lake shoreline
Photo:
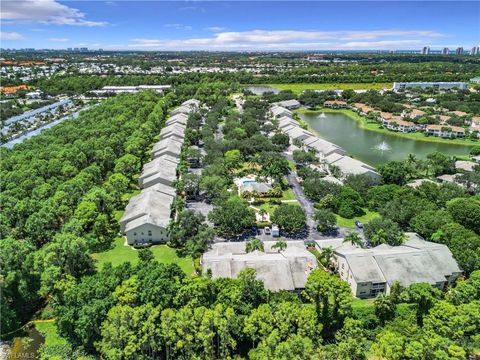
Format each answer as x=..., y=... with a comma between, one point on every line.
x=372, y=147
x=362, y=121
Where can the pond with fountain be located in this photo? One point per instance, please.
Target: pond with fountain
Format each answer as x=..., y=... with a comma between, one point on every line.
x=369, y=146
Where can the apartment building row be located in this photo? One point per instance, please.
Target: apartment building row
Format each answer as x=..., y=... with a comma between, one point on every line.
x=148, y=214
x=327, y=151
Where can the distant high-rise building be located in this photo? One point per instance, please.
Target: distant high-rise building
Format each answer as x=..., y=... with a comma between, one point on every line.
x=425, y=50
x=445, y=51
x=459, y=51
x=475, y=51
x=83, y=49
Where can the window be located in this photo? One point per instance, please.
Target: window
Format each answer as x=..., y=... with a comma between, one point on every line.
x=134, y=234
x=343, y=266
x=149, y=232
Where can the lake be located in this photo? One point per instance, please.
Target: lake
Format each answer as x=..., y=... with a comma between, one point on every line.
x=369, y=146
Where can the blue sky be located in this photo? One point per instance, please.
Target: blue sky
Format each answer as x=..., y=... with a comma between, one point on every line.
x=239, y=25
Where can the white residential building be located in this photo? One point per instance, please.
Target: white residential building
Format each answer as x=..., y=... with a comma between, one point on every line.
x=373, y=271
x=399, y=125
x=147, y=216
x=279, y=270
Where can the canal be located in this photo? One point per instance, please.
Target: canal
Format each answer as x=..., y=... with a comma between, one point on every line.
x=42, y=128
x=369, y=146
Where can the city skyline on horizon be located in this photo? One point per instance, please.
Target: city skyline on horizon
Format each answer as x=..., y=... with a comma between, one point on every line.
x=240, y=26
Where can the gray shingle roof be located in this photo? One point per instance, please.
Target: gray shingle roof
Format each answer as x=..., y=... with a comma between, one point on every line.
x=286, y=270
x=149, y=207
x=414, y=262
x=177, y=119
x=169, y=146
x=164, y=167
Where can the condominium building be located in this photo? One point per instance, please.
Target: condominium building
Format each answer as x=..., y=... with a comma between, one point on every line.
x=373, y=271
x=425, y=50
x=436, y=85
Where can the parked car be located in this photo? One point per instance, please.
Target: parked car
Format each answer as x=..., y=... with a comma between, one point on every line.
x=359, y=224
x=275, y=230
x=267, y=231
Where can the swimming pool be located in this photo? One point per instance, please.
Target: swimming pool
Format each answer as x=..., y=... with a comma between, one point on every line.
x=245, y=182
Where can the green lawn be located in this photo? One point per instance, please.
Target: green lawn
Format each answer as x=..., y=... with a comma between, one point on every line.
x=299, y=88
x=121, y=253
x=350, y=223
x=375, y=126
x=362, y=303
x=49, y=331
x=270, y=208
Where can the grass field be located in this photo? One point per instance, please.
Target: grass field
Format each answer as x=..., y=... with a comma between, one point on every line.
x=299, y=88
x=374, y=126
x=49, y=331
x=350, y=223
x=121, y=253
x=362, y=303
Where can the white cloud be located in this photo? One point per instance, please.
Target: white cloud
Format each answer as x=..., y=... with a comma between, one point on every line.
x=10, y=36
x=58, y=39
x=45, y=11
x=292, y=40
x=215, y=29
x=178, y=26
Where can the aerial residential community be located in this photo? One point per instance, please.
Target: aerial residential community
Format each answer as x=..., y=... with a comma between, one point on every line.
x=196, y=180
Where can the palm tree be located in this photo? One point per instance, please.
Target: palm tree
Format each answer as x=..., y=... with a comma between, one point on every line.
x=280, y=245
x=412, y=164
x=326, y=256
x=380, y=237
x=354, y=239
x=253, y=244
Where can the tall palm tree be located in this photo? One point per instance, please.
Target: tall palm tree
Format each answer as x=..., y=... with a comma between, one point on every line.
x=280, y=245
x=412, y=164
x=253, y=244
x=354, y=239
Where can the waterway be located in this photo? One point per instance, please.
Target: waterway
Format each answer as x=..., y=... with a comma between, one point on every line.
x=37, y=131
x=369, y=146
x=24, y=346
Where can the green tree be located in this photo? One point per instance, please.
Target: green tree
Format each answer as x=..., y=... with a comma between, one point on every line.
x=424, y=296
x=384, y=308
x=383, y=231
x=232, y=216
x=131, y=332
x=326, y=220
x=466, y=211
x=331, y=297
x=233, y=159
x=128, y=165
x=290, y=218
x=67, y=255
x=349, y=203
x=394, y=172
